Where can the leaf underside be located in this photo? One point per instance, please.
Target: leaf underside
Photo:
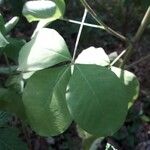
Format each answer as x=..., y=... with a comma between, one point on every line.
x=9, y=140
x=46, y=49
x=45, y=102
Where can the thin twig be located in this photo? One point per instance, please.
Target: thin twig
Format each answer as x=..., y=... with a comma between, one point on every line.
x=7, y=62
x=128, y=53
x=85, y=24
x=108, y=29
x=143, y=25
x=138, y=61
x=79, y=34
x=137, y=36
x=6, y=70
x=118, y=57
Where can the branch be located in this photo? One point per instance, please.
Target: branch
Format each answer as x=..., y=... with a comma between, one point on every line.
x=108, y=29
x=85, y=24
x=6, y=70
x=118, y=57
x=138, y=61
x=7, y=62
x=137, y=37
x=143, y=25
x=128, y=53
x=79, y=34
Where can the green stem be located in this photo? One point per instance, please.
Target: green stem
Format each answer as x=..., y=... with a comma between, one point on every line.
x=6, y=70
x=7, y=62
x=108, y=29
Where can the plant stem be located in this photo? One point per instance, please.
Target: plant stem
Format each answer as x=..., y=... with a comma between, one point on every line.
x=79, y=34
x=6, y=70
x=128, y=53
x=137, y=37
x=85, y=24
x=138, y=61
x=7, y=62
x=143, y=25
x=108, y=29
x=117, y=58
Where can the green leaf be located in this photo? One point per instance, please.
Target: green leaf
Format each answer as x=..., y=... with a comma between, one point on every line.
x=15, y=82
x=13, y=48
x=3, y=41
x=9, y=140
x=45, y=102
x=87, y=143
x=27, y=75
x=10, y=101
x=37, y=10
x=87, y=139
x=60, y=8
x=46, y=49
x=2, y=24
x=130, y=81
x=11, y=24
x=44, y=11
x=93, y=55
x=96, y=99
x=4, y=118
x=110, y=147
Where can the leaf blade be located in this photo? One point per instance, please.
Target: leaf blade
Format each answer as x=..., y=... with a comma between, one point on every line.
x=46, y=49
x=46, y=106
x=130, y=81
x=8, y=142
x=94, y=109
x=3, y=41
x=37, y=10
x=93, y=55
x=11, y=101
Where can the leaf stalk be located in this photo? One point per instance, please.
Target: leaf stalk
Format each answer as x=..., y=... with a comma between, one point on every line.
x=99, y=21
